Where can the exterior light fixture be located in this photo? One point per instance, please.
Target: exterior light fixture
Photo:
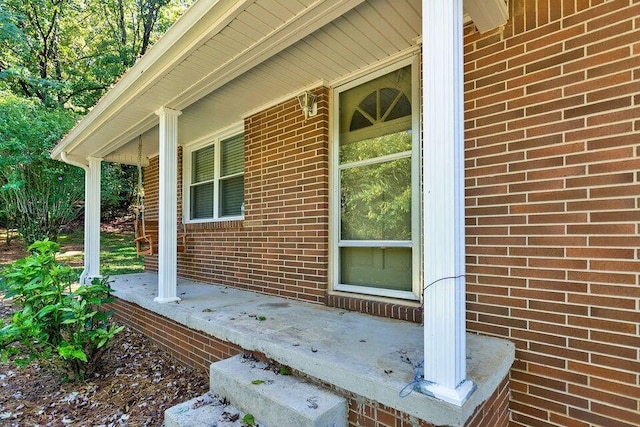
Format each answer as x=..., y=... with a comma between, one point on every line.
x=308, y=104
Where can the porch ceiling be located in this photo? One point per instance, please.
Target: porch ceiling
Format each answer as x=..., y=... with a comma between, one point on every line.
x=223, y=60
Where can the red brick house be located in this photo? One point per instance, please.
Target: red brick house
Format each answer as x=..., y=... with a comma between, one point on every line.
x=522, y=120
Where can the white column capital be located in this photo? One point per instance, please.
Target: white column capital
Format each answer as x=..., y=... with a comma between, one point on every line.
x=165, y=111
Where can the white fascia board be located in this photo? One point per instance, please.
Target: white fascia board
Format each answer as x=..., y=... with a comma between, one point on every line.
x=197, y=24
x=73, y=160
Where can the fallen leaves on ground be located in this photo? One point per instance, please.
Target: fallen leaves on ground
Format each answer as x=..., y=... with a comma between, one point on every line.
x=135, y=384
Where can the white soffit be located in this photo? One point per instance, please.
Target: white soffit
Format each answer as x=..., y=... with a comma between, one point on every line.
x=487, y=14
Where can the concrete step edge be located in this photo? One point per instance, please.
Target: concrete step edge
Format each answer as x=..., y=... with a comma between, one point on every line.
x=278, y=400
x=205, y=411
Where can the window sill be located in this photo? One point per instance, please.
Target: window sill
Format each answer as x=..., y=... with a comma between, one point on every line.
x=386, y=295
x=376, y=306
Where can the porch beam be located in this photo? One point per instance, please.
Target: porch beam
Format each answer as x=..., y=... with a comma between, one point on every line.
x=445, y=375
x=487, y=14
x=204, y=27
x=168, y=206
x=92, y=221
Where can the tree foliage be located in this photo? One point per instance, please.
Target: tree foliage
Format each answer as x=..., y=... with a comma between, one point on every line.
x=376, y=198
x=68, y=52
x=38, y=194
x=57, y=58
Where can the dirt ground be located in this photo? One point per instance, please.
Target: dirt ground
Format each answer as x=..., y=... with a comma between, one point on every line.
x=135, y=384
x=9, y=253
x=16, y=249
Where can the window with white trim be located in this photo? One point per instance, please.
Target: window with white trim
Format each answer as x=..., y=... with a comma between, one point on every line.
x=214, y=175
x=376, y=199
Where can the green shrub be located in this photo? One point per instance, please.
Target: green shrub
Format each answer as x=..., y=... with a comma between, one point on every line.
x=57, y=320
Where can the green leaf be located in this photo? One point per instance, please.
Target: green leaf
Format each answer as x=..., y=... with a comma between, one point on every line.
x=46, y=310
x=79, y=354
x=71, y=352
x=257, y=382
x=51, y=322
x=249, y=420
x=284, y=370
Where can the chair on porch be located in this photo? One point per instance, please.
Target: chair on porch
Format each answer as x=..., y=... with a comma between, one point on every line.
x=146, y=231
x=146, y=237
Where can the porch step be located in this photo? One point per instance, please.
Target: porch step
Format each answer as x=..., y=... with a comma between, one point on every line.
x=276, y=399
x=205, y=411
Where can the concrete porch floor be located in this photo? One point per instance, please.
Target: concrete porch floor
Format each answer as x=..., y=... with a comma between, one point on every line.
x=369, y=356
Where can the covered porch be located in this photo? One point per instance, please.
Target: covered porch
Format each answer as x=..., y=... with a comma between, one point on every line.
x=369, y=357
x=220, y=66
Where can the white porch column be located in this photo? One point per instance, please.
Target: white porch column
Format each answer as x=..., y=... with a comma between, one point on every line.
x=168, y=206
x=91, y=221
x=445, y=372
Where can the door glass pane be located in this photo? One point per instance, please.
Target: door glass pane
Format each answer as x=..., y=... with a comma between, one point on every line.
x=231, y=196
x=376, y=201
x=394, y=103
x=202, y=201
x=371, y=148
x=386, y=268
x=382, y=99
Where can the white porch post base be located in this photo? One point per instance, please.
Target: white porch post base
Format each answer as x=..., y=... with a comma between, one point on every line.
x=86, y=279
x=168, y=206
x=91, y=222
x=456, y=396
x=166, y=299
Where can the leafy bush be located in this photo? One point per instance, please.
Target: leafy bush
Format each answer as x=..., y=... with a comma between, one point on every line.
x=57, y=320
x=37, y=194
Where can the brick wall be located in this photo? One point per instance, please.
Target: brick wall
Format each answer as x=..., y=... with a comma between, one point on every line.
x=553, y=153
x=281, y=246
x=200, y=350
x=151, y=202
x=191, y=347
